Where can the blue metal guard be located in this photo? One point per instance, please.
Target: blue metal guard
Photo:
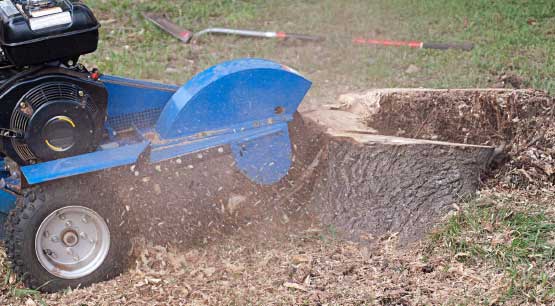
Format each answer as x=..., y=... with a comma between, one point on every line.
x=7, y=203
x=246, y=103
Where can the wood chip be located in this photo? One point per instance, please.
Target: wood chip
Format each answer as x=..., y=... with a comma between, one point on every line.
x=295, y=286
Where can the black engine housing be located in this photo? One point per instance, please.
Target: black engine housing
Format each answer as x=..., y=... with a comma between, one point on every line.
x=50, y=30
x=51, y=112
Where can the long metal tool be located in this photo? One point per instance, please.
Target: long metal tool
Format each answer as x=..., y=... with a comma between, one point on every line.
x=261, y=34
x=169, y=27
x=186, y=36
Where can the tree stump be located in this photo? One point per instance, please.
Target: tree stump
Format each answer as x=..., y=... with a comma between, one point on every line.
x=369, y=184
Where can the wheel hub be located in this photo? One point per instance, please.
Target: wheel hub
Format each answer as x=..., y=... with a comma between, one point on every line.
x=70, y=238
x=72, y=242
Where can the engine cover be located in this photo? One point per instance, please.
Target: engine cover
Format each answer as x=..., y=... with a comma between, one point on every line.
x=54, y=116
x=61, y=125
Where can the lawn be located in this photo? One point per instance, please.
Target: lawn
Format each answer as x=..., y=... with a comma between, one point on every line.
x=511, y=37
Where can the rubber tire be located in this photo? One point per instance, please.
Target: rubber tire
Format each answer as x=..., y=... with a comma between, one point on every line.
x=39, y=202
x=3, y=219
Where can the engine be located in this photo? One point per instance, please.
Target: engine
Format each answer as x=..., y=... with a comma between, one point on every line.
x=50, y=106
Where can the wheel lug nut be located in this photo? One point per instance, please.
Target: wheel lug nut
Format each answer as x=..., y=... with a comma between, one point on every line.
x=83, y=235
x=69, y=223
x=85, y=220
x=54, y=239
x=76, y=258
x=69, y=251
x=50, y=253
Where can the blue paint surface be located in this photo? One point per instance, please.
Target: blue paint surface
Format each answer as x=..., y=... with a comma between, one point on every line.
x=128, y=96
x=181, y=147
x=3, y=172
x=7, y=201
x=84, y=163
x=230, y=94
x=246, y=103
x=264, y=160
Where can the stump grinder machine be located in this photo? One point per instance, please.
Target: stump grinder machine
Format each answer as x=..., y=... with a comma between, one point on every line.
x=60, y=122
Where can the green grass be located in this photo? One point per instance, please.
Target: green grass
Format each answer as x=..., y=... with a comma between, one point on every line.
x=131, y=46
x=519, y=243
x=511, y=37
x=15, y=289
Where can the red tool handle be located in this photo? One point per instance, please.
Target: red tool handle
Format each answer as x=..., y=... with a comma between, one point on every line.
x=395, y=43
x=414, y=44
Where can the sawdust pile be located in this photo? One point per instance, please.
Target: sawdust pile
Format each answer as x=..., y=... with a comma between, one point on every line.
x=307, y=268
x=520, y=123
